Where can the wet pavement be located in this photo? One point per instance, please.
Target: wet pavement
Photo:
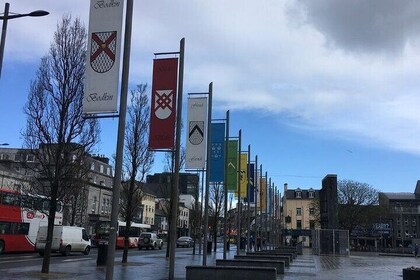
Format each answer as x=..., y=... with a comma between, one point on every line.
x=155, y=267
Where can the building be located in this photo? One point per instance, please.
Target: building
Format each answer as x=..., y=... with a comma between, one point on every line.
x=94, y=201
x=188, y=183
x=403, y=217
x=299, y=214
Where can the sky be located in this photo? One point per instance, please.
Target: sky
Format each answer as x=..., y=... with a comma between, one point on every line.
x=316, y=87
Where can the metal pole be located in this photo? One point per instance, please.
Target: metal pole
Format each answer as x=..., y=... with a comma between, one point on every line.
x=120, y=144
x=201, y=210
x=255, y=200
x=174, y=191
x=206, y=196
x=248, y=237
x=3, y=33
x=225, y=186
x=266, y=211
x=239, y=211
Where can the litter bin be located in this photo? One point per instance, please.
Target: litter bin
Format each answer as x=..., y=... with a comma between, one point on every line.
x=209, y=243
x=102, y=253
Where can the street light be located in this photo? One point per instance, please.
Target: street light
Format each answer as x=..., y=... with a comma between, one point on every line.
x=5, y=17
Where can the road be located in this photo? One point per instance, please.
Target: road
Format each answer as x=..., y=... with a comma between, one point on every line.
x=15, y=260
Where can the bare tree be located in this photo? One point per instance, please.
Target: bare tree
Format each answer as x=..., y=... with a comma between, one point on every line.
x=138, y=159
x=216, y=208
x=355, y=201
x=166, y=187
x=56, y=132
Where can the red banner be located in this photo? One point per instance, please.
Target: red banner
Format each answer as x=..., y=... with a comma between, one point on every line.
x=163, y=104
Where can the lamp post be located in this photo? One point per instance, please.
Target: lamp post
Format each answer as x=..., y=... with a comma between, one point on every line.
x=5, y=17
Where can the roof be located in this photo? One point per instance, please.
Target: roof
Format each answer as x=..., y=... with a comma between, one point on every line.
x=291, y=194
x=401, y=196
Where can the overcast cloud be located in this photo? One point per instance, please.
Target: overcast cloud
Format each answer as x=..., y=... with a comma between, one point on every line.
x=350, y=68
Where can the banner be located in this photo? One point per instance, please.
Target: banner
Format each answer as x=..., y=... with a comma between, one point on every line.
x=163, y=104
x=251, y=190
x=103, y=57
x=232, y=169
x=217, y=152
x=263, y=194
x=244, y=175
x=196, y=133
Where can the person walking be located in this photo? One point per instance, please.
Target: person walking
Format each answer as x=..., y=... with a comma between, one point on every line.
x=416, y=250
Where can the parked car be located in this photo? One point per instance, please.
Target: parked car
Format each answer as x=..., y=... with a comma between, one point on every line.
x=65, y=239
x=185, y=241
x=149, y=240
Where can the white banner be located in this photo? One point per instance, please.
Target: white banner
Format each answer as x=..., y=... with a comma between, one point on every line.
x=103, y=56
x=196, y=133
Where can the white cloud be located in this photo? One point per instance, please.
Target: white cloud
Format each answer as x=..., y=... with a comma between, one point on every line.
x=347, y=68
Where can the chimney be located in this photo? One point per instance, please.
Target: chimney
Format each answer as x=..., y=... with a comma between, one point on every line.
x=285, y=188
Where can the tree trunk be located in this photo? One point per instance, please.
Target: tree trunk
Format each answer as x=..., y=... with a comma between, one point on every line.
x=51, y=219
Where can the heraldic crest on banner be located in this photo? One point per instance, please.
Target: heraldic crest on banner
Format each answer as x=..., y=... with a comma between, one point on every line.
x=163, y=103
x=196, y=132
x=103, y=49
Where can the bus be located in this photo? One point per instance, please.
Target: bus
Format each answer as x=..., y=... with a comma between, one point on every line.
x=20, y=217
x=102, y=233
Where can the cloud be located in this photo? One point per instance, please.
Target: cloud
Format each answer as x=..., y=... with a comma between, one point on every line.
x=376, y=26
x=348, y=68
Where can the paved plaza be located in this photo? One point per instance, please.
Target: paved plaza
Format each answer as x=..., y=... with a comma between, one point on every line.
x=307, y=266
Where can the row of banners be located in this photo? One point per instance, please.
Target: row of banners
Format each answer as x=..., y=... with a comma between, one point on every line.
x=102, y=80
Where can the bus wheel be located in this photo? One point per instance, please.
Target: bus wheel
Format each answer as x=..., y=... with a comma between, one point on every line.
x=1, y=247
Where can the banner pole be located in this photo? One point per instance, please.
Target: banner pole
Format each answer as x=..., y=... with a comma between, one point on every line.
x=174, y=191
x=208, y=160
x=248, y=195
x=238, y=220
x=120, y=144
x=225, y=186
x=255, y=201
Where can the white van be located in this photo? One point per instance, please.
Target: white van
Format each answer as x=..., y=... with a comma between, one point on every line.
x=66, y=239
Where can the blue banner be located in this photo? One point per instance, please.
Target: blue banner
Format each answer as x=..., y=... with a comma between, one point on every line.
x=251, y=191
x=217, y=152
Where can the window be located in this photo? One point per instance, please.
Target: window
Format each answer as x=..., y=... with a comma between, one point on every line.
x=298, y=211
x=414, y=222
x=299, y=224
x=312, y=224
x=101, y=168
x=311, y=211
x=108, y=171
x=406, y=221
x=399, y=233
x=398, y=221
x=30, y=158
x=92, y=166
x=95, y=199
x=298, y=194
x=311, y=194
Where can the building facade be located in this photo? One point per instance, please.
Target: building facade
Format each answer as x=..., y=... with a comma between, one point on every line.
x=403, y=218
x=299, y=215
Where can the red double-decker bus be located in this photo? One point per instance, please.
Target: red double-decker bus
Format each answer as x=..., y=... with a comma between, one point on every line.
x=20, y=217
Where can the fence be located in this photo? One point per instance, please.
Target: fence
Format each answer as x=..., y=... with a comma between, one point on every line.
x=330, y=242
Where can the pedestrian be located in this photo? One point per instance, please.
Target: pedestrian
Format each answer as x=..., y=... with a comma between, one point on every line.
x=416, y=250
x=258, y=243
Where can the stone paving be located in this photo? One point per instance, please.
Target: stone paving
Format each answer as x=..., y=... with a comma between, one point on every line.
x=304, y=267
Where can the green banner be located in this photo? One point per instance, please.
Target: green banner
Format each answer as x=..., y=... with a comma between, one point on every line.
x=232, y=170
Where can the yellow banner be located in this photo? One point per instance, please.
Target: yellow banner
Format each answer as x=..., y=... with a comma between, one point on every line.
x=244, y=175
x=263, y=193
